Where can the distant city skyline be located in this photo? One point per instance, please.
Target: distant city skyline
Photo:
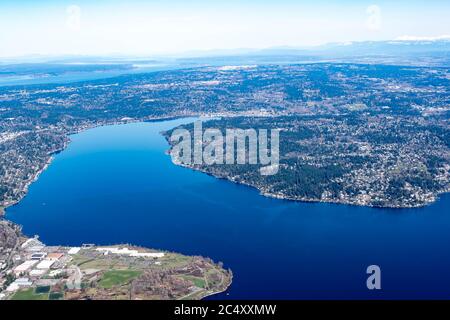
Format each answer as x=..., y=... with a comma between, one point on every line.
x=172, y=27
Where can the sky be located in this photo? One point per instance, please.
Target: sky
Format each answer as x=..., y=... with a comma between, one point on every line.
x=137, y=27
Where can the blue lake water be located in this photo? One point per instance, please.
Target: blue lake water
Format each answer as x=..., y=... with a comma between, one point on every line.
x=70, y=77
x=115, y=184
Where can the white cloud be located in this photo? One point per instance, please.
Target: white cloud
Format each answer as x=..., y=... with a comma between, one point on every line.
x=373, y=22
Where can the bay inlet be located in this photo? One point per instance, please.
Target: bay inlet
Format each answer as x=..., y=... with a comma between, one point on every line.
x=116, y=184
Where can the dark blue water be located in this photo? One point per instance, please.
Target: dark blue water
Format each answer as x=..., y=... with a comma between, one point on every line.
x=115, y=184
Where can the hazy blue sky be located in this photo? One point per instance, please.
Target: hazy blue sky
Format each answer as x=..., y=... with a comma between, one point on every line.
x=151, y=27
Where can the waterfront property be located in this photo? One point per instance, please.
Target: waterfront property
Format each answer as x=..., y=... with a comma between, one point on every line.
x=116, y=184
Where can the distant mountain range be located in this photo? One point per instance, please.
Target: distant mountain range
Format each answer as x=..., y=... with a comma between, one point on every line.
x=403, y=47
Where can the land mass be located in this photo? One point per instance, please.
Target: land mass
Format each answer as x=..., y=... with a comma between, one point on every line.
x=365, y=134
x=343, y=159
x=30, y=270
x=373, y=134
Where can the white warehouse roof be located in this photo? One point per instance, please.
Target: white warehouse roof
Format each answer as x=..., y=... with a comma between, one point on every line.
x=25, y=266
x=45, y=264
x=74, y=250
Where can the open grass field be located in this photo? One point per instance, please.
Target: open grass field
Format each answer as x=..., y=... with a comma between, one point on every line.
x=117, y=278
x=110, y=276
x=29, y=294
x=198, y=282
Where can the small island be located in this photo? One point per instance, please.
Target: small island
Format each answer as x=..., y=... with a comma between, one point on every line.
x=30, y=270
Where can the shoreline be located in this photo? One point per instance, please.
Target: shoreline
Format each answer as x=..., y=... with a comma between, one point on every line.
x=221, y=291
x=51, y=155
x=307, y=200
x=5, y=205
x=261, y=192
x=73, y=258
x=29, y=182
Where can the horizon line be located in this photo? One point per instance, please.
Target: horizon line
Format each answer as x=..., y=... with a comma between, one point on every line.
x=202, y=52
